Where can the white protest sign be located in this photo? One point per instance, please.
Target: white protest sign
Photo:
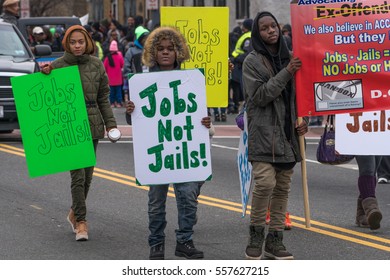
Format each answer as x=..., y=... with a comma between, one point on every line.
x=364, y=133
x=170, y=143
x=244, y=167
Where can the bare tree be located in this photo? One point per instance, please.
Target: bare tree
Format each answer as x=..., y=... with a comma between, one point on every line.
x=42, y=8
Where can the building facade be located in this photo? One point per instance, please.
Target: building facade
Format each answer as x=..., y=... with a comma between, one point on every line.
x=149, y=9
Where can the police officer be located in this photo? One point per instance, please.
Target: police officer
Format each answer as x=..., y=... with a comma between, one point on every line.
x=243, y=47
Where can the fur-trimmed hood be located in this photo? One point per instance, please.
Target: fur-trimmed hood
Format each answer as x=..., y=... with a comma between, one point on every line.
x=149, y=56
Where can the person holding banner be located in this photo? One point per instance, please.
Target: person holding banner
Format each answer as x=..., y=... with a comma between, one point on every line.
x=273, y=147
x=367, y=212
x=165, y=49
x=79, y=50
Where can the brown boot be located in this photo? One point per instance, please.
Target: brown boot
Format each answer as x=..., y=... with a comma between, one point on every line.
x=72, y=220
x=81, y=231
x=374, y=216
x=361, y=218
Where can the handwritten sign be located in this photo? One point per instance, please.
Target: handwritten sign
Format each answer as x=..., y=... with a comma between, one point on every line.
x=344, y=48
x=53, y=121
x=207, y=31
x=244, y=167
x=170, y=143
x=365, y=133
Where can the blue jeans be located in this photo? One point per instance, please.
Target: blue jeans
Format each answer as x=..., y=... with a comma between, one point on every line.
x=187, y=204
x=116, y=94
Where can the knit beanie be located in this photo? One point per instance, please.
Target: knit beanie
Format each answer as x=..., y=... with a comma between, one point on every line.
x=113, y=46
x=247, y=23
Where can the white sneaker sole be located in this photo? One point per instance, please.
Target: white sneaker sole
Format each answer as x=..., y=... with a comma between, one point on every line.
x=252, y=258
x=81, y=237
x=271, y=256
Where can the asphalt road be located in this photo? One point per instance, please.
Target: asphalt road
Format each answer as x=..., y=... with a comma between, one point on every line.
x=33, y=211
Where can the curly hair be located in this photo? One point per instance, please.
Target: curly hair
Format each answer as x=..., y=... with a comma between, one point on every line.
x=149, y=56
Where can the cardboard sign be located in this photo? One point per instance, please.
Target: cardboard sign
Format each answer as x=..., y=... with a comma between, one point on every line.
x=170, y=143
x=206, y=30
x=53, y=121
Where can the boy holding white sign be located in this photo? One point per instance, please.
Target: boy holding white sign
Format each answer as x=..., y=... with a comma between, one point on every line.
x=165, y=49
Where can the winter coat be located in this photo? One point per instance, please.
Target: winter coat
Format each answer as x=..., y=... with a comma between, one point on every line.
x=9, y=17
x=130, y=61
x=96, y=90
x=271, y=106
x=114, y=73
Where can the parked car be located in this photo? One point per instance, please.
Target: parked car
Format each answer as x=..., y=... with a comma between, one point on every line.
x=16, y=59
x=54, y=29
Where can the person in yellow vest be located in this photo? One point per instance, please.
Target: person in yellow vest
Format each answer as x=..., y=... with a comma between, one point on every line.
x=242, y=49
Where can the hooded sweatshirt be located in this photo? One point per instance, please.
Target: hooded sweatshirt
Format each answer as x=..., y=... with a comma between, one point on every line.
x=270, y=99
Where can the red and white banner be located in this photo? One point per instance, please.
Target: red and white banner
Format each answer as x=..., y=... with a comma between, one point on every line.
x=344, y=46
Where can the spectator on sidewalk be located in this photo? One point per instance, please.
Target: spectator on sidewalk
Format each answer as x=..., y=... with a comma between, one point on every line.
x=242, y=49
x=11, y=11
x=113, y=63
x=384, y=170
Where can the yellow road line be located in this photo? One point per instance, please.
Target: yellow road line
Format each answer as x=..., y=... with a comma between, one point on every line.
x=12, y=148
x=344, y=237
x=12, y=152
x=234, y=207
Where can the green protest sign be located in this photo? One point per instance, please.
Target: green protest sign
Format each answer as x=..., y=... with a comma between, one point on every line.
x=53, y=121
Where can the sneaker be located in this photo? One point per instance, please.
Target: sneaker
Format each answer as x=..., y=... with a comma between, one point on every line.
x=81, y=231
x=217, y=118
x=188, y=250
x=383, y=181
x=72, y=220
x=223, y=118
x=157, y=252
x=274, y=247
x=287, y=222
x=255, y=243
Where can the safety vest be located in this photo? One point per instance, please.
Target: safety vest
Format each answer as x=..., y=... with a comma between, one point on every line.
x=238, y=50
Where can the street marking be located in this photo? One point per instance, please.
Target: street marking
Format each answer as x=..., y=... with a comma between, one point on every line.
x=127, y=180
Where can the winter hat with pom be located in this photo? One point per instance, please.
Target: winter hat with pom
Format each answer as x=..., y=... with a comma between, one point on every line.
x=114, y=46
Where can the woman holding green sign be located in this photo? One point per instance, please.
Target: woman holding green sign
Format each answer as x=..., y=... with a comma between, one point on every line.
x=165, y=49
x=79, y=50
